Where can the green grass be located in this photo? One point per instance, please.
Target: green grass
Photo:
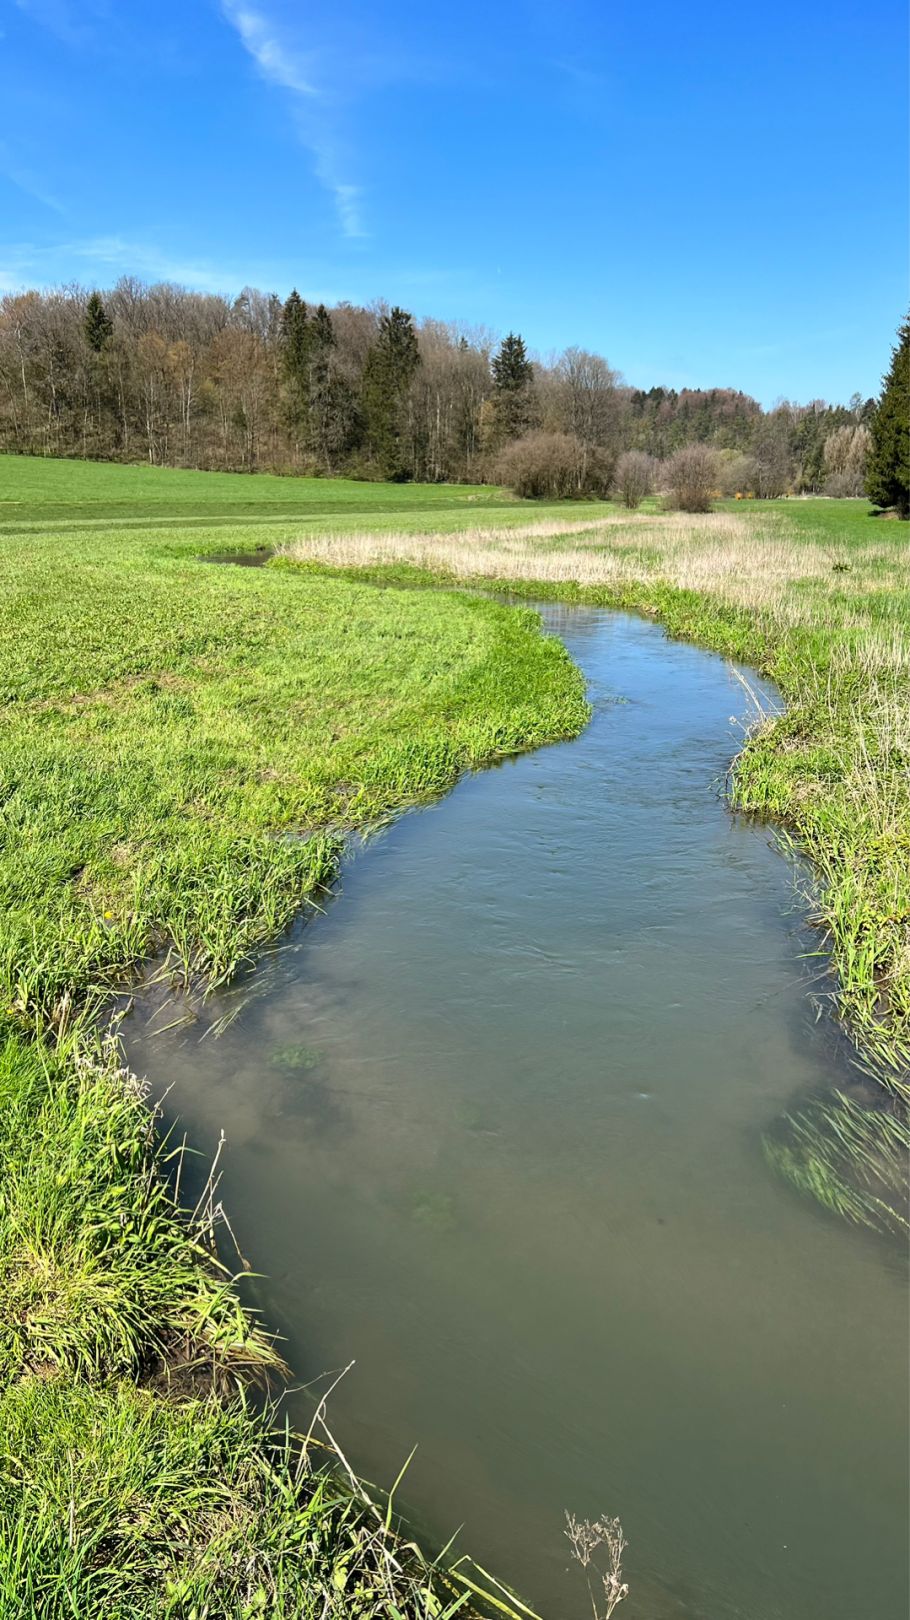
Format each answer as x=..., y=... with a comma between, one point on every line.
x=118, y=1504
x=183, y=749
x=183, y=745
x=135, y=1480
x=850, y=1158
x=38, y=494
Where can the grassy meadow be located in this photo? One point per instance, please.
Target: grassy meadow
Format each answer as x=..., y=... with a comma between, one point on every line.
x=184, y=749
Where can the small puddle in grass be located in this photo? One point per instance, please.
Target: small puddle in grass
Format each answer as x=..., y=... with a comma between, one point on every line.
x=494, y=1133
x=239, y=559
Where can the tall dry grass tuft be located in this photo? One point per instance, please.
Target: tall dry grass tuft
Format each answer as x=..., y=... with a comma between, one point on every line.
x=751, y=562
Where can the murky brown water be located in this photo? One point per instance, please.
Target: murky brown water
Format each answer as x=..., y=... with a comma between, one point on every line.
x=494, y=1133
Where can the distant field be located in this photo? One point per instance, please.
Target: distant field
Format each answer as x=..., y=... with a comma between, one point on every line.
x=37, y=492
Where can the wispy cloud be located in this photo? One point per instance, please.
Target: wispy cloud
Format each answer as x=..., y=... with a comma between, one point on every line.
x=276, y=60
x=281, y=63
x=22, y=177
x=144, y=259
x=63, y=18
x=46, y=264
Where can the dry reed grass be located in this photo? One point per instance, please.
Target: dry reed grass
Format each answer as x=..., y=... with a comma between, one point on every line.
x=744, y=561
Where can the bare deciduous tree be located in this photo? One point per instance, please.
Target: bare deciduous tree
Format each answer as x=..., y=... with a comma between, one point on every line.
x=587, y=395
x=634, y=477
x=772, y=455
x=552, y=466
x=846, y=455
x=691, y=478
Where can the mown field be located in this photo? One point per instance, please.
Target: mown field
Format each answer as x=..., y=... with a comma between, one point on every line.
x=184, y=747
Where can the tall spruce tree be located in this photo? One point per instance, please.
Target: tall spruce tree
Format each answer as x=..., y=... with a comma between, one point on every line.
x=888, y=469
x=388, y=374
x=97, y=325
x=513, y=375
x=321, y=391
x=296, y=340
x=295, y=335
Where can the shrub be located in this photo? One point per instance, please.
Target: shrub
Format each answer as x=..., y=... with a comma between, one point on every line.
x=634, y=477
x=553, y=466
x=737, y=474
x=691, y=478
x=842, y=484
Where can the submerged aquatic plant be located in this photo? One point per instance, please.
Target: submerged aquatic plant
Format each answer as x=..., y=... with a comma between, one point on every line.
x=854, y=1160
x=297, y=1058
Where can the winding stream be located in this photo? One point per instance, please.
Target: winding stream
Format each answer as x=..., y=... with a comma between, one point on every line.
x=494, y=1132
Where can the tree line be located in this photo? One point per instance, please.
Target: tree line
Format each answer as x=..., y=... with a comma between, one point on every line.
x=180, y=378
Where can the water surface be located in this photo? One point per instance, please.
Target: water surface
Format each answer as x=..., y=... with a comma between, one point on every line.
x=494, y=1132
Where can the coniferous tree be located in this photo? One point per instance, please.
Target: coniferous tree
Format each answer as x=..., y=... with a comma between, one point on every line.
x=388, y=374
x=295, y=334
x=321, y=391
x=888, y=470
x=513, y=375
x=296, y=342
x=97, y=326
x=98, y=330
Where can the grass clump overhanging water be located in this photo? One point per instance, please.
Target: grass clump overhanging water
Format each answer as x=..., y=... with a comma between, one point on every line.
x=135, y=1480
x=183, y=750
x=116, y=1503
x=98, y=1272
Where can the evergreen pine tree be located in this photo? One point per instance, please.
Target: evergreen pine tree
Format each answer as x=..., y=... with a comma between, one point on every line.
x=513, y=374
x=321, y=389
x=296, y=354
x=97, y=325
x=388, y=374
x=323, y=331
x=512, y=370
x=295, y=339
x=888, y=470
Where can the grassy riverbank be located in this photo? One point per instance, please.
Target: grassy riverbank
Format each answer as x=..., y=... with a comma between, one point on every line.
x=815, y=594
x=182, y=751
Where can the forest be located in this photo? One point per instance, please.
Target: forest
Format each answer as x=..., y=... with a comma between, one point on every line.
x=173, y=377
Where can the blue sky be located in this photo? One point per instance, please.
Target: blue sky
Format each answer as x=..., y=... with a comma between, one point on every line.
x=708, y=194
